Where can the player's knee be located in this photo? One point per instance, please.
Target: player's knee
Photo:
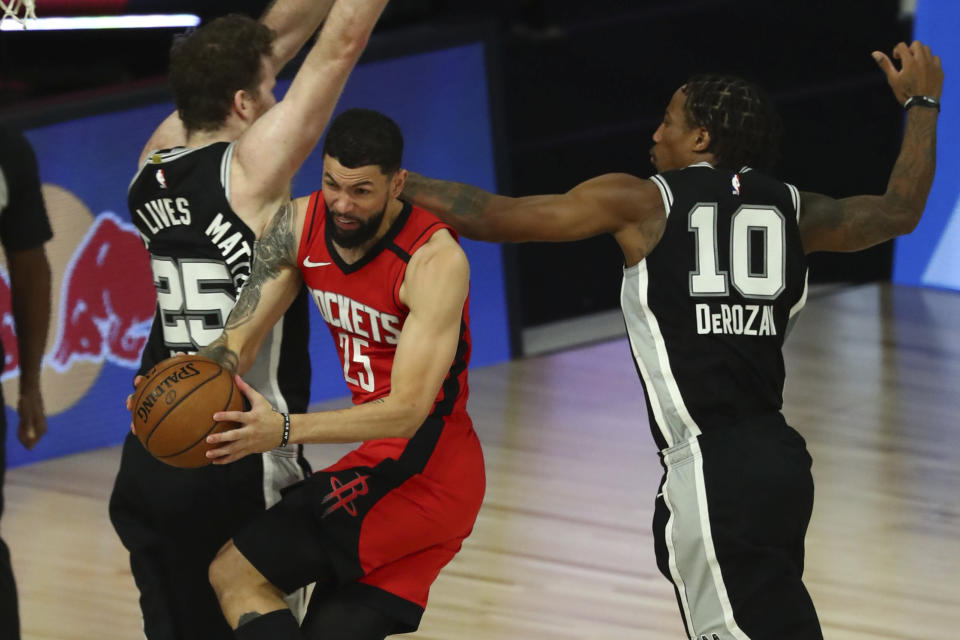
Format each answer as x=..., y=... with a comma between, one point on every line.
x=226, y=572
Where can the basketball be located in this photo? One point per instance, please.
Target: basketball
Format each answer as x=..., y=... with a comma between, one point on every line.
x=173, y=408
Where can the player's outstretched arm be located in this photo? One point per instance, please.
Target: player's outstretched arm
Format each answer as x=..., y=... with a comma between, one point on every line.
x=851, y=224
x=293, y=21
x=273, y=284
x=605, y=204
x=434, y=289
x=271, y=151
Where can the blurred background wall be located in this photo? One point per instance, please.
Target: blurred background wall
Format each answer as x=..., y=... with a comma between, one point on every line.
x=583, y=86
x=572, y=90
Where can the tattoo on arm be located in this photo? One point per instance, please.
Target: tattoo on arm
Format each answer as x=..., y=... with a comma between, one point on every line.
x=275, y=250
x=218, y=351
x=454, y=200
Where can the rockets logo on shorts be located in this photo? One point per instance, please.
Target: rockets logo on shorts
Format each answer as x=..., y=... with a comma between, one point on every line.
x=345, y=494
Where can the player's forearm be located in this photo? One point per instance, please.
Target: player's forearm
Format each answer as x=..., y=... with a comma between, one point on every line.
x=294, y=21
x=912, y=174
x=315, y=90
x=30, y=294
x=383, y=418
x=348, y=28
x=231, y=355
x=466, y=208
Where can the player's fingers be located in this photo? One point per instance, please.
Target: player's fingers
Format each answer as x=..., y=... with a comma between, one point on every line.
x=218, y=454
x=230, y=434
x=901, y=51
x=232, y=416
x=885, y=64
x=28, y=436
x=130, y=402
x=251, y=394
x=225, y=455
x=242, y=383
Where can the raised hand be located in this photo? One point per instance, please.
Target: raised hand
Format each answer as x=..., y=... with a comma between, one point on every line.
x=920, y=73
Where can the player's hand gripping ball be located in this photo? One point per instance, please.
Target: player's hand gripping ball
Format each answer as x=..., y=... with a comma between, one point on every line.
x=173, y=408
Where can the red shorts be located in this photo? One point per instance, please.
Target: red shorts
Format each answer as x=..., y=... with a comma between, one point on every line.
x=383, y=520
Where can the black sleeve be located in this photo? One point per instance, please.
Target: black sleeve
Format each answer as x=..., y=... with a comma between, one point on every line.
x=23, y=221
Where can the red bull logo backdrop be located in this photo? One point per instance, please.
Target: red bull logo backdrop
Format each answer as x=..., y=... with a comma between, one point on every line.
x=103, y=295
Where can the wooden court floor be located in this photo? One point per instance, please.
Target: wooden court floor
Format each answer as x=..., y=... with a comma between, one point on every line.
x=562, y=548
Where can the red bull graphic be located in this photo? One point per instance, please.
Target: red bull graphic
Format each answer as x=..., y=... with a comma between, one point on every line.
x=101, y=309
x=106, y=301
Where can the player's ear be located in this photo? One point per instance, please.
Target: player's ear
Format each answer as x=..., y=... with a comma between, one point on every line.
x=243, y=104
x=397, y=182
x=701, y=141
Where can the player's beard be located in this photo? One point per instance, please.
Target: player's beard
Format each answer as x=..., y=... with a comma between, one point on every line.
x=353, y=238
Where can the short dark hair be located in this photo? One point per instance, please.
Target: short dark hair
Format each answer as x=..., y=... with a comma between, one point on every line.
x=744, y=126
x=210, y=64
x=363, y=137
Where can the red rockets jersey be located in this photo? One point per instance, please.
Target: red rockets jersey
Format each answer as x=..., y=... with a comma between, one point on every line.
x=361, y=305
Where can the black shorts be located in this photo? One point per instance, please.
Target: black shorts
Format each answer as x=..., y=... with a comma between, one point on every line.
x=375, y=523
x=729, y=527
x=174, y=521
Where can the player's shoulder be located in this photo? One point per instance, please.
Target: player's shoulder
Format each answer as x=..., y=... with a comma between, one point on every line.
x=415, y=226
x=418, y=216
x=440, y=251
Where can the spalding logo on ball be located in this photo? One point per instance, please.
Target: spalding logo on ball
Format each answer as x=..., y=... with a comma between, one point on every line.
x=174, y=404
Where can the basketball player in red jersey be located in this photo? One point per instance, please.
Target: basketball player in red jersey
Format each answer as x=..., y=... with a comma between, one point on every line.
x=374, y=529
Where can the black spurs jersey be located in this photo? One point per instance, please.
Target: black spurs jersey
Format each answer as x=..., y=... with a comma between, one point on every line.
x=708, y=310
x=200, y=255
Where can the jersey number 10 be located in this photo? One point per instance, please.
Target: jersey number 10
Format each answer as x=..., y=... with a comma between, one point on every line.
x=748, y=225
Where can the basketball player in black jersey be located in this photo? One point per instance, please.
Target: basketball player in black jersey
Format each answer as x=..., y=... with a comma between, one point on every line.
x=211, y=176
x=715, y=273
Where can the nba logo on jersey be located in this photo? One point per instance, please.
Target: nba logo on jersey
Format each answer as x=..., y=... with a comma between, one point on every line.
x=162, y=179
x=735, y=181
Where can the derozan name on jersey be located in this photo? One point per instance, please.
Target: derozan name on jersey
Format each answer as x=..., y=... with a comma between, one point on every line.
x=736, y=319
x=348, y=314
